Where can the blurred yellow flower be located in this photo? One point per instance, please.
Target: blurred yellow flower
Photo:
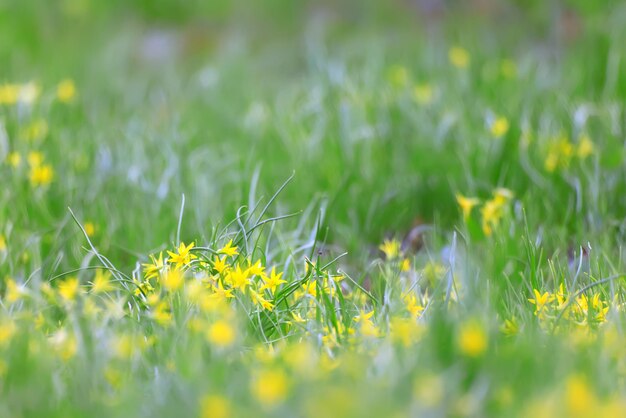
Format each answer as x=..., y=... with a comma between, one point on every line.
x=270, y=387
x=221, y=334
x=66, y=91
x=41, y=175
x=499, y=127
x=466, y=204
x=90, y=228
x=7, y=330
x=215, y=406
x=3, y=243
x=9, y=93
x=173, y=279
x=472, y=339
x=459, y=57
x=68, y=289
x=102, y=282
x=585, y=147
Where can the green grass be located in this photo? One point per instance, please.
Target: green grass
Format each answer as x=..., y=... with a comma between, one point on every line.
x=296, y=131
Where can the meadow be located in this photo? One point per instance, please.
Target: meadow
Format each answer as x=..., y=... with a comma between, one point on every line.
x=312, y=209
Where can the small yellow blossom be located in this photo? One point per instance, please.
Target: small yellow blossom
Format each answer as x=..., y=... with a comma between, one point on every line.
x=414, y=308
x=221, y=334
x=9, y=94
x=219, y=264
x=228, y=249
x=270, y=387
x=7, y=330
x=68, y=289
x=90, y=229
x=3, y=243
x=405, y=265
x=459, y=57
x=184, y=256
x=102, y=282
x=66, y=91
x=499, y=127
x=215, y=406
x=257, y=299
x=466, y=204
x=41, y=176
x=172, y=280
x=472, y=339
x=585, y=147
x=152, y=270
x=580, y=401
x=272, y=282
x=541, y=301
x=391, y=248
x=237, y=278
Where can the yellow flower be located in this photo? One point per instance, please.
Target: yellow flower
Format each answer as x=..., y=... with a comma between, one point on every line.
x=580, y=401
x=228, y=249
x=41, y=175
x=559, y=154
x=405, y=265
x=7, y=330
x=219, y=264
x=220, y=293
x=272, y=282
x=257, y=299
x=466, y=204
x=184, y=256
x=237, y=278
x=221, y=334
x=66, y=91
x=270, y=388
x=404, y=331
x=9, y=94
x=472, y=339
x=423, y=94
x=161, y=313
x=585, y=147
x=391, y=248
x=102, y=282
x=414, y=308
x=90, y=228
x=256, y=269
x=152, y=270
x=499, y=127
x=69, y=288
x=215, y=406
x=3, y=243
x=34, y=158
x=540, y=301
x=172, y=280
x=14, y=159
x=459, y=57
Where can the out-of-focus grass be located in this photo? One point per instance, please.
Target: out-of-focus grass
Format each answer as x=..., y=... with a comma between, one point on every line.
x=221, y=102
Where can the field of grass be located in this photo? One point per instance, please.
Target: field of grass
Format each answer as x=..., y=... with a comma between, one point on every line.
x=312, y=209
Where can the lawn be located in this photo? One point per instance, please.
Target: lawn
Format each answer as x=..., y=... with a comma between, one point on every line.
x=312, y=209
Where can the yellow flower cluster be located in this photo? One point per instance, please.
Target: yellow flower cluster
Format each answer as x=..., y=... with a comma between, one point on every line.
x=561, y=151
x=579, y=309
x=492, y=211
